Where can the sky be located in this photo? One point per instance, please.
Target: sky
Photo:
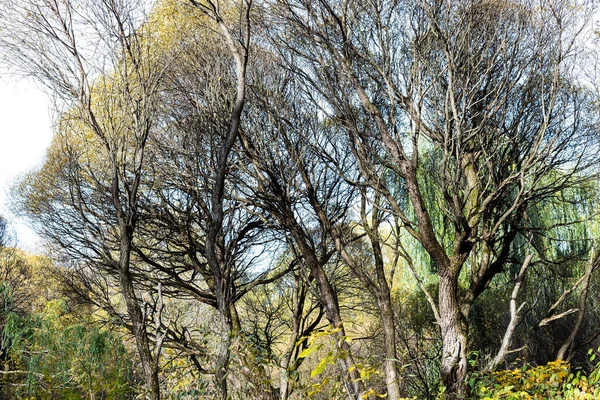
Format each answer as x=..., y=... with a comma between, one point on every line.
x=25, y=134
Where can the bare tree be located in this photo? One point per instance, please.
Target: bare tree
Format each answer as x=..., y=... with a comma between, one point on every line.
x=287, y=179
x=237, y=38
x=91, y=56
x=478, y=94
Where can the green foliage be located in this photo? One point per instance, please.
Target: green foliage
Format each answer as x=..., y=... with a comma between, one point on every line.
x=327, y=344
x=58, y=356
x=554, y=380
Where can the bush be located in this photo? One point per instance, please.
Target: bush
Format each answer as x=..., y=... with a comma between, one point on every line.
x=554, y=380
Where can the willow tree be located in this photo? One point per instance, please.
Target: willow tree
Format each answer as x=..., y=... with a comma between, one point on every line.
x=195, y=224
x=476, y=101
x=214, y=136
x=92, y=57
x=127, y=84
x=299, y=195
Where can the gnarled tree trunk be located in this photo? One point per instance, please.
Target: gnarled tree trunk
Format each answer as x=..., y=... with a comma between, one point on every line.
x=454, y=337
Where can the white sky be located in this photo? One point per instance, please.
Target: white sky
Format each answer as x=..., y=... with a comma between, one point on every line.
x=25, y=134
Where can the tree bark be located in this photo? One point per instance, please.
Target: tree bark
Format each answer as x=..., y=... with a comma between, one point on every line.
x=386, y=313
x=222, y=364
x=284, y=374
x=138, y=321
x=568, y=343
x=454, y=337
x=392, y=381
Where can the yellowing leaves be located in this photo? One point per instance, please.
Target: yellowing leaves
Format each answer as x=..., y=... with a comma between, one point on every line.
x=174, y=25
x=371, y=392
x=550, y=381
x=322, y=365
x=334, y=353
x=308, y=351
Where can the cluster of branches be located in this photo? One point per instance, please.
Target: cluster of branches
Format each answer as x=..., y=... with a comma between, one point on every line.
x=207, y=151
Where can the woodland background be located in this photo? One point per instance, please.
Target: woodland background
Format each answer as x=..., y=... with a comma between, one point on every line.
x=326, y=199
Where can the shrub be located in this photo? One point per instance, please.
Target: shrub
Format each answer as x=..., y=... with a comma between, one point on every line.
x=554, y=380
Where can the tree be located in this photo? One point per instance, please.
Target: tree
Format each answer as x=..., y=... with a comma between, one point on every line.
x=474, y=101
x=229, y=178
x=287, y=179
x=107, y=78
x=218, y=242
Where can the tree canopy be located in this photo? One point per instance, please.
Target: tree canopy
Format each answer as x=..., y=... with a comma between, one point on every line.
x=308, y=199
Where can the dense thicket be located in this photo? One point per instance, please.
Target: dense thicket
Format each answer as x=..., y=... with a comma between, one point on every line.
x=312, y=199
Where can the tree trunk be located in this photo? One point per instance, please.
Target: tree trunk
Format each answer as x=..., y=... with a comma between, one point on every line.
x=354, y=385
x=284, y=366
x=328, y=297
x=392, y=380
x=568, y=343
x=222, y=364
x=127, y=223
x=149, y=366
x=515, y=318
x=386, y=312
x=138, y=320
x=384, y=302
x=454, y=338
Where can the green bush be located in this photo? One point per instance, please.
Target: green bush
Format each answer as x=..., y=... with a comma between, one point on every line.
x=554, y=380
x=55, y=356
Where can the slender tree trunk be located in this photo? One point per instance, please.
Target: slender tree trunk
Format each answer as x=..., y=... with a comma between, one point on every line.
x=384, y=302
x=290, y=361
x=515, y=318
x=138, y=320
x=354, y=385
x=568, y=343
x=149, y=366
x=454, y=337
x=226, y=319
x=222, y=364
x=284, y=367
x=392, y=380
x=386, y=312
x=327, y=295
